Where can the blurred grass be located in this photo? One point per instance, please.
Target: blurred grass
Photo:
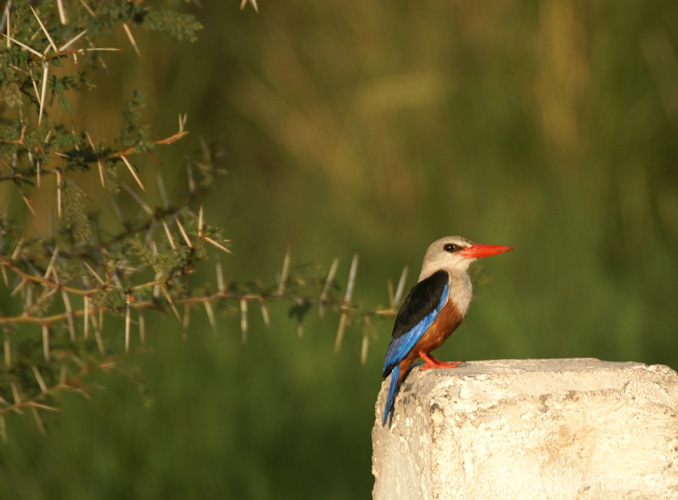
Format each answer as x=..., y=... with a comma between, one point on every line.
x=372, y=128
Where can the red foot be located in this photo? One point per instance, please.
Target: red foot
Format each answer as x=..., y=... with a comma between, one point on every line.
x=432, y=362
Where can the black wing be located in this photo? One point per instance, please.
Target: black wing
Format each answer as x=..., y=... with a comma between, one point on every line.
x=420, y=302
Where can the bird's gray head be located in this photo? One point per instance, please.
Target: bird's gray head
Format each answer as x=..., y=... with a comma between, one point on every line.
x=445, y=253
x=454, y=253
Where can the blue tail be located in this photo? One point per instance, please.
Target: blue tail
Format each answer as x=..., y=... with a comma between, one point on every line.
x=395, y=375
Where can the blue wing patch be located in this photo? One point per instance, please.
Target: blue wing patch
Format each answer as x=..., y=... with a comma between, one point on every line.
x=402, y=343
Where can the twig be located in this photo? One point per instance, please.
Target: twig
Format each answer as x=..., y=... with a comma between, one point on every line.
x=130, y=36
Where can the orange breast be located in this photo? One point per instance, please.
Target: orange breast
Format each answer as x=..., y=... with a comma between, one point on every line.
x=447, y=322
x=442, y=327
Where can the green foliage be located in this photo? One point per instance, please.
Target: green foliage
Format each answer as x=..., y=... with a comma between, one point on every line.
x=133, y=135
x=76, y=223
x=178, y=25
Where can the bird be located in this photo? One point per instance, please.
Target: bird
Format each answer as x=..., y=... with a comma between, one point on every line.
x=433, y=308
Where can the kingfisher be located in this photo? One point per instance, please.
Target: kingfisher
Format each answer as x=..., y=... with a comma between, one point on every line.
x=433, y=308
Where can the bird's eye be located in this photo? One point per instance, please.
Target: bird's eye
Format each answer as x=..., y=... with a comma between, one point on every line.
x=451, y=247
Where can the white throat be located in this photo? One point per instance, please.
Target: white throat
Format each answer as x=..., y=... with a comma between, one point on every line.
x=461, y=290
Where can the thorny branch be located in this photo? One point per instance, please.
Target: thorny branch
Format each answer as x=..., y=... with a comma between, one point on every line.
x=76, y=273
x=70, y=282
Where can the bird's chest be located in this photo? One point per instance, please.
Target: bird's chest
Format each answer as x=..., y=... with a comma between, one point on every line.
x=461, y=292
x=442, y=327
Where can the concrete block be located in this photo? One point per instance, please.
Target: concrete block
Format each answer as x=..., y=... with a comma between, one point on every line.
x=530, y=429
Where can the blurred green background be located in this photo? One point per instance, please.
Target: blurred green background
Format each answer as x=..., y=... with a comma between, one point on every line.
x=375, y=128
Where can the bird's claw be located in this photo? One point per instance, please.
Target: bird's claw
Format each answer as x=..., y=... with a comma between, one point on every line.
x=432, y=362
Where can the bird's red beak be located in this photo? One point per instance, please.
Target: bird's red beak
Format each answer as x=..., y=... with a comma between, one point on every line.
x=476, y=251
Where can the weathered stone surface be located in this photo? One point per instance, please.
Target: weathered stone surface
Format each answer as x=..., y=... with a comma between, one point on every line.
x=530, y=429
